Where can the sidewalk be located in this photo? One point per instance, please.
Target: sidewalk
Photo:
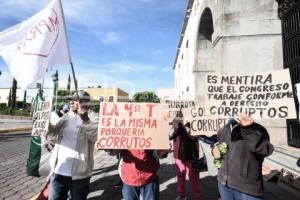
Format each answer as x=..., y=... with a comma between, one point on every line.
x=105, y=176
x=14, y=125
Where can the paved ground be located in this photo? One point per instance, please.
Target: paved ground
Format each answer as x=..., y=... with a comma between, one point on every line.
x=15, y=184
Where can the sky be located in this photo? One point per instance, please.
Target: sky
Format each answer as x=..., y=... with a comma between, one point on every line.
x=129, y=44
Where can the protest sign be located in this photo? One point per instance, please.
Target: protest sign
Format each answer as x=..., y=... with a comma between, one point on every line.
x=200, y=123
x=133, y=126
x=175, y=106
x=40, y=126
x=262, y=96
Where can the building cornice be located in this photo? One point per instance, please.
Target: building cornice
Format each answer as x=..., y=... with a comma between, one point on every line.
x=186, y=19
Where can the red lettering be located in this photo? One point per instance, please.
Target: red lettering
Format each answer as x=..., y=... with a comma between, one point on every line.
x=99, y=144
x=122, y=143
x=102, y=131
x=54, y=23
x=116, y=142
x=104, y=112
x=129, y=107
x=33, y=32
x=148, y=143
x=150, y=109
x=44, y=23
x=114, y=110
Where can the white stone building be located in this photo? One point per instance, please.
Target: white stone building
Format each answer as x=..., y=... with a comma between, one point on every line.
x=228, y=37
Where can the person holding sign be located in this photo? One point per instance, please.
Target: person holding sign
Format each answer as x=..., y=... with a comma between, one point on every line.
x=72, y=157
x=183, y=153
x=138, y=171
x=240, y=174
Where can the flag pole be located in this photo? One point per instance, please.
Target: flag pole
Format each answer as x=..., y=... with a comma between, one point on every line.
x=75, y=80
x=69, y=52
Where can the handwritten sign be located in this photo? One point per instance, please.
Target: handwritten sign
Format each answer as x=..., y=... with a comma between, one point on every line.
x=201, y=124
x=262, y=96
x=133, y=126
x=40, y=126
x=174, y=107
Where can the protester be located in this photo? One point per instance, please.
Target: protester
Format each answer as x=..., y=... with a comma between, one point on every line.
x=72, y=157
x=183, y=153
x=138, y=171
x=240, y=175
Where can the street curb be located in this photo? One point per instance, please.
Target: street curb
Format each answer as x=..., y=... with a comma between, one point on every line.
x=29, y=128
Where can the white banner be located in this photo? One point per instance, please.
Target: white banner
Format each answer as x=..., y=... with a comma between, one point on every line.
x=31, y=47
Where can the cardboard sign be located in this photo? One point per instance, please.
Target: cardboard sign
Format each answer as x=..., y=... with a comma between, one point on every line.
x=175, y=106
x=290, y=181
x=133, y=126
x=262, y=96
x=40, y=126
x=201, y=124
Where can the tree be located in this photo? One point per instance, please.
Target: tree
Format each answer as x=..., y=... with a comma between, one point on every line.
x=145, y=97
x=14, y=95
x=69, y=84
x=24, y=99
x=9, y=99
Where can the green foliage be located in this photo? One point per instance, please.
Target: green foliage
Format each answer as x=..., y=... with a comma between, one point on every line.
x=146, y=97
x=8, y=111
x=95, y=105
x=223, y=148
x=14, y=95
x=9, y=99
x=62, y=98
x=3, y=106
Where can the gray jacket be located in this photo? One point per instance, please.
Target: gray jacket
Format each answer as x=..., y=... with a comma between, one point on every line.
x=86, y=138
x=242, y=166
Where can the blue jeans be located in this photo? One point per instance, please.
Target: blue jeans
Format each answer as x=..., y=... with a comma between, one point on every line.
x=63, y=186
x=231, y=194
x=148, y=192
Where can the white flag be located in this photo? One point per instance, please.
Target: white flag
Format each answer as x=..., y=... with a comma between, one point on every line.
x=31, y=47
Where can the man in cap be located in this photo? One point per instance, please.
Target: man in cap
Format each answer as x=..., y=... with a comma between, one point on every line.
x=72, y=157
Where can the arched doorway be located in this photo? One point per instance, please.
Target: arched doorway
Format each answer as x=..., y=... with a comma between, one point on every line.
x=204, y=60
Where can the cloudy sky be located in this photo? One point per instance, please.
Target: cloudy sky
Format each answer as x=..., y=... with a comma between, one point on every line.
x=130, y=44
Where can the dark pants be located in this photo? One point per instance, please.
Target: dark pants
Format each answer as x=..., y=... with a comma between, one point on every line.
x=231, y=194
x=61, y=186
x=148, y=192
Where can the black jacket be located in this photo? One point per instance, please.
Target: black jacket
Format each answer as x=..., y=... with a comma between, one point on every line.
x=242, y=166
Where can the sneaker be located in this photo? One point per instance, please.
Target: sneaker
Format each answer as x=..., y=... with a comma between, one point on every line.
x=181, y=198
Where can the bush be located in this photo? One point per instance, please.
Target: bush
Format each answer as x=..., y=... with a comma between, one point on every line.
x=146, y=97
x=95, y=106
x=3, y=106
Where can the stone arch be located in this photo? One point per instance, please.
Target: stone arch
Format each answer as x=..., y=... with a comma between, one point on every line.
x=206, y=25
x=204, y=59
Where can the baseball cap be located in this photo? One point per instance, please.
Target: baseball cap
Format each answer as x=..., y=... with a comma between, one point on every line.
x=82, y=96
